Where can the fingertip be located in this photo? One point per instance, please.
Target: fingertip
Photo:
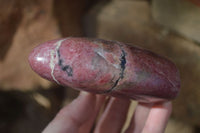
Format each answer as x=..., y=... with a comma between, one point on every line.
x=84, y=93
x=158, y=118
x=166, y=104
x=113, y=117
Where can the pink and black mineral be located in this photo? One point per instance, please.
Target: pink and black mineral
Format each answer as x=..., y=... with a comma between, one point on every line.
x=107, y=67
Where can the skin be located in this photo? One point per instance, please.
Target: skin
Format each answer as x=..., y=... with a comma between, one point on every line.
x=81, y=114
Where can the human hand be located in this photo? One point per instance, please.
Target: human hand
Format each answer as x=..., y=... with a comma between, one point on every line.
x=80, y=115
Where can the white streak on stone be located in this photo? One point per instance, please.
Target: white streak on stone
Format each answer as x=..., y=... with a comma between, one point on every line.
x=101, y=54
x=54, y=60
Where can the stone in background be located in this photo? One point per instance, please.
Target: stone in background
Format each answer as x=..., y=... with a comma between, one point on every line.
x=69, y=14
x=132, y=22
x=35, y=24
x=181, y=16
x=26, y=23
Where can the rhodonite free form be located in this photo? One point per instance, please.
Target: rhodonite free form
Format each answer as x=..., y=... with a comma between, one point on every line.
x=107, y=67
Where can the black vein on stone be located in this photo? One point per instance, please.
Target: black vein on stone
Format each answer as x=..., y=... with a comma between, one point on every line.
x=122, y=69
x=66, y=68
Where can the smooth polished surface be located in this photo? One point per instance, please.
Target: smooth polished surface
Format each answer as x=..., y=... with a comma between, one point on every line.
x=107, y=67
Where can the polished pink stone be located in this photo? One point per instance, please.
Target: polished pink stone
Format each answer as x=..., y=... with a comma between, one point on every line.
x=107, y=67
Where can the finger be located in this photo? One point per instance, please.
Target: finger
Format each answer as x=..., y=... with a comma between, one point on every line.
x=114, y=116
x=87, y=126
x=71, y=117
x=139, y=118
x=158, y=118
